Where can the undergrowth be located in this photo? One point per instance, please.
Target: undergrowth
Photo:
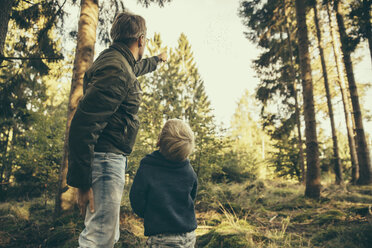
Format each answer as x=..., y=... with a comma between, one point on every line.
x=251, y=214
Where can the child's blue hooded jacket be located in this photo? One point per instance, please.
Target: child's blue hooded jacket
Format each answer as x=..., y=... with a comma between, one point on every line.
x=163, y=193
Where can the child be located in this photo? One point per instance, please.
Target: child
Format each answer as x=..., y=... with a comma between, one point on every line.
x=164, y=189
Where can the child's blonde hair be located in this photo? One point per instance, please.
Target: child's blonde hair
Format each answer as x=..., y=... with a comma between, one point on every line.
x=176, y=140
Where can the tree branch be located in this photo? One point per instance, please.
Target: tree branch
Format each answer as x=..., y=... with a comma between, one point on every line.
x=28, y=2
x=29, y=58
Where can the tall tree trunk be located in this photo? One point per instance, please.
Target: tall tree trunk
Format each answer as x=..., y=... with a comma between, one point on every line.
x=86, y=40
x=365, y=172
x=4, y=159
x=312, y=154
x=297, y=108
x=5, y=8
x=336, y=158
x=367, y=19
x=345, y=101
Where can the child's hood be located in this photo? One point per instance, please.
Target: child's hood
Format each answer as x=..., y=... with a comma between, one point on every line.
x=157, y=159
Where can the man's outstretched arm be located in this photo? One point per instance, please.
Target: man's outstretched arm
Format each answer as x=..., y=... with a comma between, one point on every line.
x=149, y=64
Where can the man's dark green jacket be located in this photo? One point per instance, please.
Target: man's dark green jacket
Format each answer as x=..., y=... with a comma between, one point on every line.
x=106, y=117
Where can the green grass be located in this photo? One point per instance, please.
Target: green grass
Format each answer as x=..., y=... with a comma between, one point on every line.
x=251, y=214
x=278, y=215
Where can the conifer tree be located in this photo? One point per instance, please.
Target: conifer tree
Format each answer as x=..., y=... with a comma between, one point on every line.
x=365, y=175
x=312, y=153
x=5, y=9
x=288, y=28
x=250, y=143
x=360, y=13
x=26, y=14
x=336, y=159
x=176, y=90
x=25, y=105
x=345, y=97
x=270, y=26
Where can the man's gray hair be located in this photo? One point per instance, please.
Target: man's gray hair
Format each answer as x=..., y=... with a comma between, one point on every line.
x=127, y=27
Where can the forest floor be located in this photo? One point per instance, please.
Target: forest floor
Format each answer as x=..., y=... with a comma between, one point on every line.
x=250, y=214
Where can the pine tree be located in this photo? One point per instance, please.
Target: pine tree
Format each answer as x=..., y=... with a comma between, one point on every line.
x=270, y=26
x=250, y=143
x=336, y=158
x=5, y=9
x=345, y=97
x=312, y=154
x=176, y=90
x=294, y=78
x=365, y=175
x=361, y=15
x=45, y=14
x=25, y=106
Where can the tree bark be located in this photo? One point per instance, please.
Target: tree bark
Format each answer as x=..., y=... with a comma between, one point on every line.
x=86, y=40
x=312, y=154
x=336, y=158
x=367, y=19
x=4, y=155
x=365, y=172
x=345, y=101
x=297, y=108
x=5, y=8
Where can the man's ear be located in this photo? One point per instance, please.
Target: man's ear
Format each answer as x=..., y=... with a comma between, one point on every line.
x=141, y=41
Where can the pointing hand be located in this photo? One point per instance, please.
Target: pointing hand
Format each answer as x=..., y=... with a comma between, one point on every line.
x=162, y=57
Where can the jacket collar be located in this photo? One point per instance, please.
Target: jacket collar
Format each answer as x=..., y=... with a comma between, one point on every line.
x=124, y=50
x=157, y=159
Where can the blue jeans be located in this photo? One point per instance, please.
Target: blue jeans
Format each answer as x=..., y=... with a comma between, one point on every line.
x=102, y=226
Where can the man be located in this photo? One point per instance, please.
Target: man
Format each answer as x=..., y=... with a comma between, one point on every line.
x=104, y=128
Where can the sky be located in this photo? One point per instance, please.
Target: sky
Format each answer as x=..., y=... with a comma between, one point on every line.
x=222, y=53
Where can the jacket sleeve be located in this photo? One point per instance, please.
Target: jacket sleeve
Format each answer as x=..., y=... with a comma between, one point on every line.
x=138, y=193
x=105, y=91
x=145, y=66
x=194, y=189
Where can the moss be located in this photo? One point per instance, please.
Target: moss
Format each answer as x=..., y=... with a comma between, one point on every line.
x=60, y=236
x=215, y=239
x=355, y=197
x=232, y=232
x=348, y=236
x=298, y=202
x=364, y=190
x=303, y=217
x=362, y=210
x=245, y=219
x=283, y=192
x=213, y=222
x=331, y=216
